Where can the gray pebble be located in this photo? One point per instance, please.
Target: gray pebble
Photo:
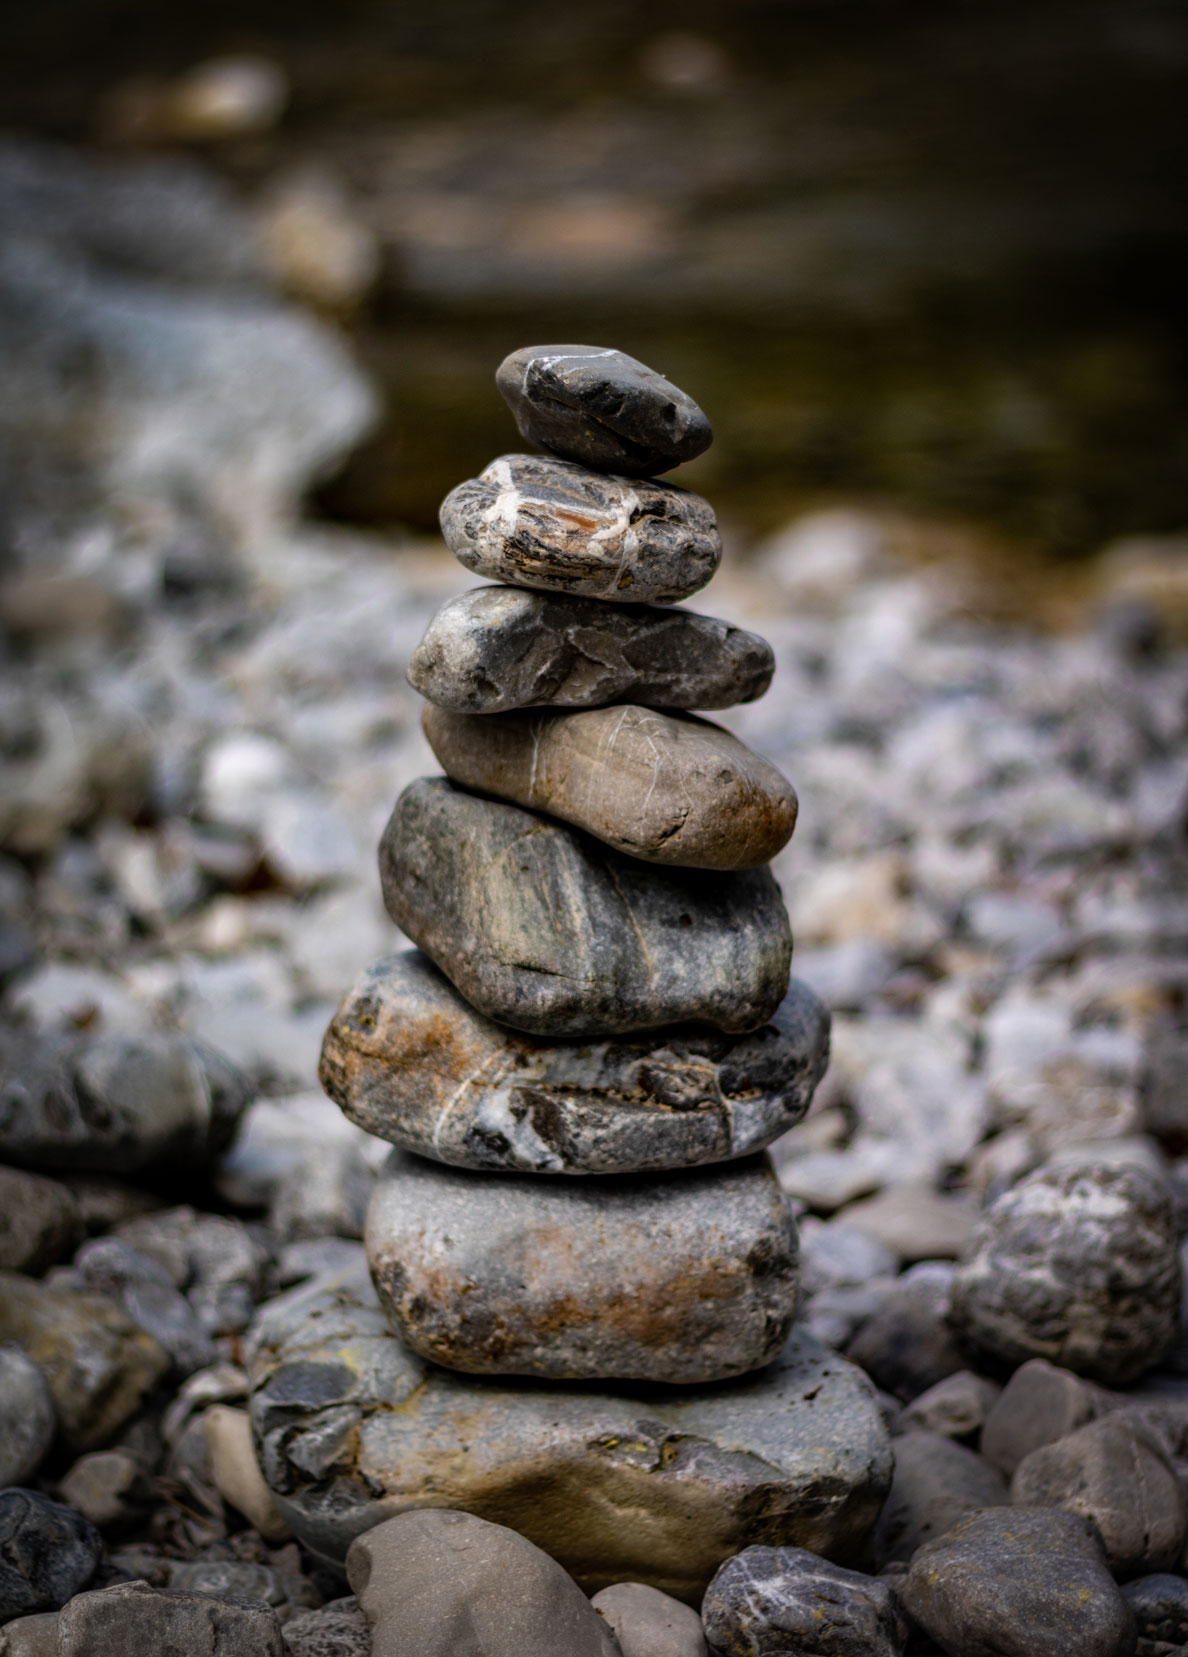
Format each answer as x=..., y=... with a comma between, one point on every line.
x=131, y=1616
x=602, y=408
x=551, y=932
x=906, y=1345
x=27, y=1419
x=647, y=1623
x=338, y=1629
x=936, y=1483
x=1160, y=1606
x=40, y=1222
x=146, y=1292
x=1039, y=1404
x=47, y=1553
x=532, y=521
x=108, y=1487
x=957, y=1406
x=785, y=1602
x=495, y=649
x=35, y=1636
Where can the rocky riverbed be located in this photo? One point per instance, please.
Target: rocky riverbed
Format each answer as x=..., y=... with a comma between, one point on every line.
x=204, y=721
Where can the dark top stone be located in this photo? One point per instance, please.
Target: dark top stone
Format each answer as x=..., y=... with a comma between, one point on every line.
x=602, y=408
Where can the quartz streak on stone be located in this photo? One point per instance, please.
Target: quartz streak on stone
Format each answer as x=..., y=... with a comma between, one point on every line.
x=678, y=1277
x=537, y=522
x=671, y=790
x=353, y=1428
x=412, y=1062
x=786, y=1602
x=495, y=649
x=551, y=932
x=602, y=408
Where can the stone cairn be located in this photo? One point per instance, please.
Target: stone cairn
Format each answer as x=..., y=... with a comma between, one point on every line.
x=583, y=1059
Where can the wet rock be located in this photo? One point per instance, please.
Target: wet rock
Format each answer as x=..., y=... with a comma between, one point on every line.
x=657, y=1489
x=47, y=1553
x=236, y=1472
x=108, y=1487
x=39, y=1222
x=97, y=1363
x=495, y=649
x=785, y=1602
x=432, y=1583
x=1112, y=1472
x=146, y=1292
x=647, y=1623
x=1076, y=1265
x=551, y=932
x=1039, y=1405
x=683, y=1277
x=338, y=1629
x=412, y=1062
x=957, y=1406
x=1160, y=1607
x=906, y=1344
x=115, y=1103
x=601, y=408
x=669, y=789
x=936, y=1483
x=1008, y=1582
x=27, y=1419
x=532, y=521
x=132, y=1616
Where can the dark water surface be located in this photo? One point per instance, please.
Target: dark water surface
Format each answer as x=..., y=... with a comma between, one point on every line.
x=932, y=254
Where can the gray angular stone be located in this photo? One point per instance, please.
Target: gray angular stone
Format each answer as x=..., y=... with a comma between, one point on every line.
x=338, y=1629
x=602, y=408
x=146, y=1292
x=47, y=1553
x=441, y=1583
x=532, y=521
x=658, y=1488
x=647, y=1623
x=670, y=789
x=547, y=930
x=1078, y=1265
x=495, y=649
x=27, y=1418
x=1039, y=1405
x=1113, y=1472
x=786, y=1602
x=409, y=1060
x=675, y=1277
x=936, y=1483
x=39, y=1222
x=1011, y=1582
x=97, y=1363
x=131, y=1616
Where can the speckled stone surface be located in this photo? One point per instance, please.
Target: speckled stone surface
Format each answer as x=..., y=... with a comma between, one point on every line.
x=657, y=1486
x=495, y=649
x=538, y=522
x=787, y=1602
x=667, y=788
x=545, y=929
x=411, y=1061
x=665, y=1277
x=1078, y=1265
x=602, y=408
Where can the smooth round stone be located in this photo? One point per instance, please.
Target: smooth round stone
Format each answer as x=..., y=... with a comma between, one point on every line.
x=669, y=789
x=647, y=1623
x=495, y=649
x=658, y=1488
x=1078, y=1265
x=673, y=1277
x=411, y=1061
x=548, y=930
x=27, y=1419
x=536, y=522
x=439, y=1583
x=39, y=1222
x=787, y=1602
x=602, y=408
x=1018, y=1582
x=47, y=1553
x=936, y=1483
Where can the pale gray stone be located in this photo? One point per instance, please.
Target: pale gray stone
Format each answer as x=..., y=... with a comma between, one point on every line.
x=647, y=1623
x=495, y=649
x=957, y=1406
x=439, y=1583
x=108, y=1487
x=27, y=1418
x=602, y=408
x=786, y=1602
x=35, y=1636
x=677, y=1277
x=1039, y=1405
x=111, y=1622
x=542, y=928
x=412, y=1062
x=670, y=789
x=1077, y=1265
x=532, y=521
x=658, y=1488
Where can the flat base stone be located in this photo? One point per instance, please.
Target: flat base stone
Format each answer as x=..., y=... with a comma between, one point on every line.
x=656, y=1485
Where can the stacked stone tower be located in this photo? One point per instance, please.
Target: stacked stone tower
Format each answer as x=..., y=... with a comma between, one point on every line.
x=581, y=1062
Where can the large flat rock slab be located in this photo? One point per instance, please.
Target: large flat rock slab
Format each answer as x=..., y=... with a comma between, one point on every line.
x=495, y=649
x=537, y=522
x=411, y=1061
x=550, y=931
x=656, y=1486
x=669, y=789
x=665, y=1277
